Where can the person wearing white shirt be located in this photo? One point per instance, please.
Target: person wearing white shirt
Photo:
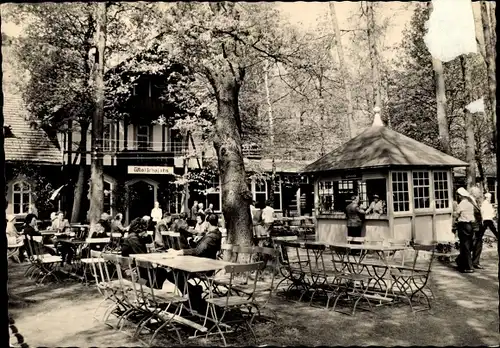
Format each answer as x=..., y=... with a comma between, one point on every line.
x=488, y=214
x=252, y=209
x=465, y=212
x=156, y=213
x=268, y=217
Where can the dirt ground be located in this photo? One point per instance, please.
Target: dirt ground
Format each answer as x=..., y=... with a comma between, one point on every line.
x=465, y=313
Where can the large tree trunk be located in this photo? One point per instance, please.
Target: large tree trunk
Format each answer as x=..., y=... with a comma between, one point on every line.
x=271, y=128
x=236, y=198
x=490, y=65
x=470, y=147
x=96, y=176
x=374, y=59
x=444, y=136
x=493, y=26
x=343, y=69
x=80, y=183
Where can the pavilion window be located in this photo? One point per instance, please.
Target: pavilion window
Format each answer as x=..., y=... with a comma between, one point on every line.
x=400, y=192
x=441, y=190
x=346, y=189
x=326, y=197
x=421, y=190
x=213, y=194
x=374, y=187
x=21, y=197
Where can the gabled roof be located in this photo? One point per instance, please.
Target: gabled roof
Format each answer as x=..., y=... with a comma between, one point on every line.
x=28, y=143
x=379, y=147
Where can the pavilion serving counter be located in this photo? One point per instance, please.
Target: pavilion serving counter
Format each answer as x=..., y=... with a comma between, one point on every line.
x=332, y=228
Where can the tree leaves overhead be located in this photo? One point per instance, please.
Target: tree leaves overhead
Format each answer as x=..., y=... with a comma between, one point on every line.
x=412, y=102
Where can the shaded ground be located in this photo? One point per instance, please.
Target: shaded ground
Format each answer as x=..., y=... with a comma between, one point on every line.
x=465, y=313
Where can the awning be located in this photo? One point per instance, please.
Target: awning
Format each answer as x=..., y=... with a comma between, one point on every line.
x=56, y=193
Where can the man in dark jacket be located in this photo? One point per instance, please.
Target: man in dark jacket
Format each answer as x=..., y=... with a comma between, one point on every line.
x=354, y=218
x=136, y=241
x=207, y=247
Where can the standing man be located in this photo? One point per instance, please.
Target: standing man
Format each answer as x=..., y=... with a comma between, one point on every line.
x=465, y=212
x=156, y=213
x=488, y=214
x=209, y=210
x=193, y=213
x=268, y=217
x=477, y=226
x=354, y=218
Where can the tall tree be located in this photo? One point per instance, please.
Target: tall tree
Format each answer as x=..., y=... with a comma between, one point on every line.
x=220, y=42
x=469, y=125
x=374, y=56
x=490, y=65
x=444, y=136
x=96, y=165
x=337, y=43
x=56, y=50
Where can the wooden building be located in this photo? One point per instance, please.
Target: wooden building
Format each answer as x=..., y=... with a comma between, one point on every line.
x=414, y=180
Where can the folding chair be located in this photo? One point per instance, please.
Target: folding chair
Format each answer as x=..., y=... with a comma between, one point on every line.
x=225, y=248
x=238, y=308
x=321, y=279
x=174, y=240
x=412, y=282
x=264, y=288
x=117, y=289
x=131, y=296
x=103, y=282
x=46, y=265
x=293, y=267
x=355, y=240
x=350, y=284
x=99, y=244
x=156, y=305
x=33, y=267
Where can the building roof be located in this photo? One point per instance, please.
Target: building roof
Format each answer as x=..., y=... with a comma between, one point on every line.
x=27, y=143
x=266, y=165
x=380, y=147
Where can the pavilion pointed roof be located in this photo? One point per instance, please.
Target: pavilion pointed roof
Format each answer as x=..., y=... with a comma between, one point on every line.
x=380, y=147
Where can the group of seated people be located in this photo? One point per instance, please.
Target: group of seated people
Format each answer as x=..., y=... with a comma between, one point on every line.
x=207, y=246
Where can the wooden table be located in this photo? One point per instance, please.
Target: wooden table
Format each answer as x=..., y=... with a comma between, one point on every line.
x=356, y=264
x=189, y=265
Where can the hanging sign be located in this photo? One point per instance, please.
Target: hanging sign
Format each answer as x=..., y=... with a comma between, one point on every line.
x=150, y=170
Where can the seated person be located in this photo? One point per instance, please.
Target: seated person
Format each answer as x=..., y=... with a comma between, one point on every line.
x=31, y=229
x=201, y=226
x=100, y=230
x=60, y=224
x=11, y=229
x=105, y=222
x=136, y=241
x=207, y=247
x=116, y=224
x=166, y=220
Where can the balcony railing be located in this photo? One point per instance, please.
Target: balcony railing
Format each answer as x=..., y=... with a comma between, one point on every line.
x=178, y=148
